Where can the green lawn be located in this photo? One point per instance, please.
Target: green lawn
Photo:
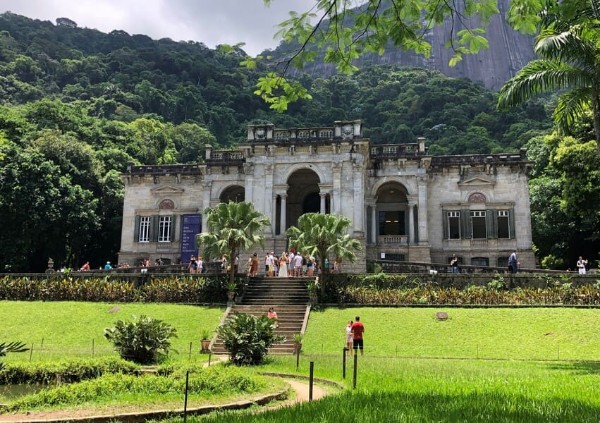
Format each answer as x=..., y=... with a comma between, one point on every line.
x=498, y=333
x=443, y=390
x=75, y=329
x=488, y=365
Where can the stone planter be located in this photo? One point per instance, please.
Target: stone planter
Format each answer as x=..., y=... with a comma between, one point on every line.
x=205, y=346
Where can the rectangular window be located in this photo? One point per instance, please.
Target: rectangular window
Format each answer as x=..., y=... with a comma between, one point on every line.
x=453, y=225
x=144, y=231
x=502, y=261
x=503, y=224
x=391, y=223
x=164, y=229
x=480, y=261
x=478, y=224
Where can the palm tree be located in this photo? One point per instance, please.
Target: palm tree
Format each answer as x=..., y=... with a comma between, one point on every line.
x=233, y=227
x=324, y=236
x=11, y=347
x=570, y=61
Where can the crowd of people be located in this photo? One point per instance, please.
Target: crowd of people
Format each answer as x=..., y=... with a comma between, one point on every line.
x=287, y=264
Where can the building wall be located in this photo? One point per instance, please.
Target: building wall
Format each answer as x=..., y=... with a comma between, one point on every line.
x=351, y=178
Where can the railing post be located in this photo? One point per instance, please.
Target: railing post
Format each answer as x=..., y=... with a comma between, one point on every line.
x=355, y=369
x=311, y=380
x=344, y=363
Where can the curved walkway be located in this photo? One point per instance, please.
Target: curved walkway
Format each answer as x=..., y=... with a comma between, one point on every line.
x=299, y=387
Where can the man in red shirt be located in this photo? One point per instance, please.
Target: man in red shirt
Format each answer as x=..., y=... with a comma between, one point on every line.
x=357, y=335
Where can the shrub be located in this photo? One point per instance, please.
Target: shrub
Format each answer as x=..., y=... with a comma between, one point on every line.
x=247, y=338
x=216, y=381
x=145, y=341
x=67, y=371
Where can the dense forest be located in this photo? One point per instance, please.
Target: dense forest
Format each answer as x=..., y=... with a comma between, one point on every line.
x=77, y=105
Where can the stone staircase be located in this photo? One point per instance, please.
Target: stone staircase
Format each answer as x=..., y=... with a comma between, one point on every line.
x=288, y=296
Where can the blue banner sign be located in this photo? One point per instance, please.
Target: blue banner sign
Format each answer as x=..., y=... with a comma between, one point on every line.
x=191, y=224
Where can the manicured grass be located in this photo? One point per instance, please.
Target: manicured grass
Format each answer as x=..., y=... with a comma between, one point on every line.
x=415, y=367
x=498, y=333
x=64, y=329
x=424, y=390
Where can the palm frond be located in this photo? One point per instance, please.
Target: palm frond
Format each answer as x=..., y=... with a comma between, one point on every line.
x=537, y=77
x=570, y=106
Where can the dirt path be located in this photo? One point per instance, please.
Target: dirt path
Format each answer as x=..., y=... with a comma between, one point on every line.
x=300, y=388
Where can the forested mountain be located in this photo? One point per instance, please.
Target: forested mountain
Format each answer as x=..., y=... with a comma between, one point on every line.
x=78, y=104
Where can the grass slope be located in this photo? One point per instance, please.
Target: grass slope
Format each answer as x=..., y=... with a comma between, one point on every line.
x=68, y=329
x=498, y=333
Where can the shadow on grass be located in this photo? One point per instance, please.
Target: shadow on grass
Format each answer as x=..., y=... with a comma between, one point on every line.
x=578, y=367
x=425, y=407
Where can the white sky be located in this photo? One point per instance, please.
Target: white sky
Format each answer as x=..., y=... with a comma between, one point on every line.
x=211, y=22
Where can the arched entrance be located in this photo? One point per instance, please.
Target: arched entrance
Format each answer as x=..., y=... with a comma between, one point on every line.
x=392, y=217
x=235, y=193
x=303, y=196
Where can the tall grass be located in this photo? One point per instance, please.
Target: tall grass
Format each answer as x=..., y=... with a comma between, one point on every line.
x=424, y=390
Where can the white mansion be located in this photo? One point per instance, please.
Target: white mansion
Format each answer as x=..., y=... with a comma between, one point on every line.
x=403, y=203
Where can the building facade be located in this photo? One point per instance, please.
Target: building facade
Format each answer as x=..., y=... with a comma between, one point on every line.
x=403, y=203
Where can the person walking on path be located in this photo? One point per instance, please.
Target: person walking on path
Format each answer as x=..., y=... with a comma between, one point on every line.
x=358, y=329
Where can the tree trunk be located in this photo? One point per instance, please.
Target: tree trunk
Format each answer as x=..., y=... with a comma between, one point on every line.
x=596, y=112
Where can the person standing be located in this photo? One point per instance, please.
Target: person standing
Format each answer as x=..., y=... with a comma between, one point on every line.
x=270, y=264
x=513, y=262
x=254, y=265
x=349, y=338
x=193, y=266
x=358, y=329
x=581, y=263
x=454, y=263
x=283, y=269
x=199, y=265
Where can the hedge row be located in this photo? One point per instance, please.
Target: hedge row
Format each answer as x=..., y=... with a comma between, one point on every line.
x=493, y=289
x=67, y=371
x=170, y=289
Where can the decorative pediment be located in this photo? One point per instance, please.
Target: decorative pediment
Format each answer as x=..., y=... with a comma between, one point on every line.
x=476, y=181
x=167, y=190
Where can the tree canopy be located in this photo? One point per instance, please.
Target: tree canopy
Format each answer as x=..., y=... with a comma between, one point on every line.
x=233, y=227
x=324, y=236
x=569, y=47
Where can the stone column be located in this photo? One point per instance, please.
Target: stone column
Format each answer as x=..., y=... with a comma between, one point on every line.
x=283, y=213
x=374, y=223
x=423, y=233
x=411, y=223
x=322, y=208
x=358, y=200
x=337, y=186
x=274, y=214
x=264, y=196
x=207, y=185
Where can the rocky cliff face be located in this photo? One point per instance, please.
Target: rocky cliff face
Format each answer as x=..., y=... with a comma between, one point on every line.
x=508, y=52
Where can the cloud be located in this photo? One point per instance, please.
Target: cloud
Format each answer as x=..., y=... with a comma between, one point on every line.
x=211, y=22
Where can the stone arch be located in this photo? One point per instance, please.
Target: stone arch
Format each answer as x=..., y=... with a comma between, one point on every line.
x=477, y=197
x=385, y=181
x=391, y=214
x=303, y=194
x=166, y=204
x=235, y=193
x=304, y=166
